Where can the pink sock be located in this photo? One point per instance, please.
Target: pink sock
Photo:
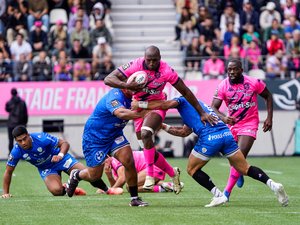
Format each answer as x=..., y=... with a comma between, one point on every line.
x=162, y=163
x=156, y=188
x=149, y=159
x=233, y=177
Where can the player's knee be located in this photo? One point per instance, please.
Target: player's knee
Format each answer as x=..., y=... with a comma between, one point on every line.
x=57, y=191
x=146, y=135
x=190, y=170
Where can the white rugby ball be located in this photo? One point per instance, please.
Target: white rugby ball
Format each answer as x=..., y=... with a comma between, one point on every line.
x=140, y=77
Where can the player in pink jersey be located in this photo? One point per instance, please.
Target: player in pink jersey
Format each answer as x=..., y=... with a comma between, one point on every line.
x=239, y=92
x=159, y=73
x=115, y=173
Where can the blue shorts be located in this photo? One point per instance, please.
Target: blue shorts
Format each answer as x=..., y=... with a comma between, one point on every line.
x=65, y=164
x=95, y=153
x=217, y=142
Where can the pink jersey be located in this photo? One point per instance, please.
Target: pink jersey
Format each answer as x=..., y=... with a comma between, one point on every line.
x=156, y=79
x=241, y=99
x=140, y=165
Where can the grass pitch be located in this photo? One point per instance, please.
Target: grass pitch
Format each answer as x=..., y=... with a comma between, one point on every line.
x=253, y=204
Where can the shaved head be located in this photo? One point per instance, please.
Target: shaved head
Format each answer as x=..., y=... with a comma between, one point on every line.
x=152, y=57
x=152, y=51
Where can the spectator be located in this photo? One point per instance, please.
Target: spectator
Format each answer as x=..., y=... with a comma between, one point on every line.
x=38, y=10
x=100, y=31
x=78, y=51
x=16, y=24
x=2, y=16
x=234, y=49
x=81, y=70
x=249, y=36
x=209, y=31
x=20, y=46
x=276, y=26
x=38, y=38
x=81, y=34
x=229, y=33
x=289, y=8
x=190, y=6
x=89, y=4
x=253, y=55
x=60, y=45
x=229, y=16
x=4, y=48
x=80, y=15
x=268, y=15
x=275, y=43
x=249, y=16
x=22, y=69
x=42, y=70
x=62, y=70
x=214, y=68
x=203, y=13
x=290, y=27
x=18, y=115
x=185, y=16
x=294, y=43
x=187, y=34
x=294, y=64
x=104, y=68
x=5, y=69
x=58, y=32
x=193, y=55
x=101, y=50
x=277, y=65
x=207, y=49
x=74, y=5
x=22, y=5
x=98, y=13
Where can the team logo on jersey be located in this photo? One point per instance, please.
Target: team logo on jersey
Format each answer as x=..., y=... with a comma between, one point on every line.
x=26, y=157
x=99, y=156
x=247, y=86
x=157, y=75
x=10, y=157
x=126, y=66
x=204, y=150
x=114, y=103
x=39, y=149
x=46, y=171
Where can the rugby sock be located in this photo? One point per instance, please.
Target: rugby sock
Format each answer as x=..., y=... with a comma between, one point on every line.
x=204, y=180
x=100, y=184
x=64, y=191
x=233, y=177
x=149, y=159
x=162, y=163
x=133, y=190
x=257, y=174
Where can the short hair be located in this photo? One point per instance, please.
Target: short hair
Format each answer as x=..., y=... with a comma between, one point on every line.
x=19, y=130
x=236, y=61
x=13, y=91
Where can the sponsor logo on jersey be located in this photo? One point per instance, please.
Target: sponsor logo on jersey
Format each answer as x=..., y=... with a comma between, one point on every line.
x=99, y=156
x=114, y=103
x=67, y=163
x=245, y=105
x=126, y=66
x=119, y=140
x=218, y=136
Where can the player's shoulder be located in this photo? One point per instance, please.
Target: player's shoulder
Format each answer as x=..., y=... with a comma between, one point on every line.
x=253, y=80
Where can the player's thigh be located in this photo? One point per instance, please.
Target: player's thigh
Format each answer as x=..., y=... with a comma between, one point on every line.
x=245, y=144
x=53, y=182
x=78, y=165
x=153, y=120
x=125, y=156
x=194, y=163
x=239, y=162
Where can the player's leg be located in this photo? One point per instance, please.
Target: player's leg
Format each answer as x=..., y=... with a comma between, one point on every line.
x=54, y=185
x=245, y=143
x=239, y=162
x=124, y=155
x=77, y=166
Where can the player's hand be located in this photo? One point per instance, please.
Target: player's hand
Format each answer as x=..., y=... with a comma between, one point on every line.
x=134, y=86
x=6, y=195
x=209, y=118
x=134, y=104
x=56, y=158
x=231, y=120
x=267, y=125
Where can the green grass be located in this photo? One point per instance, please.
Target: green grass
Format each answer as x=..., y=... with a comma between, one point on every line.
x=252, y=204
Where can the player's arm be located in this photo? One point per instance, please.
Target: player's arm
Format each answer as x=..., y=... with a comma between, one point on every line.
x=7, y=180
x=165, y=104
x=64, y=146
x=117, y=80
x=188, y=94
x=121, y=180
x=268, y=123
x=215, y=105
x=183, y=131
x=127, y=114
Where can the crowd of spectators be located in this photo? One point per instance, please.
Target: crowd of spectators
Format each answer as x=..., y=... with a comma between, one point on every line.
x=38, y=45
x=265, y=35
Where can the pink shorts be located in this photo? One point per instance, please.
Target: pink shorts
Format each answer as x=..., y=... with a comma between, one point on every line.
x=245, y=130
x=138, y=123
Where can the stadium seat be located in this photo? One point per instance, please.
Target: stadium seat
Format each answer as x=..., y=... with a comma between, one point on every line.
x=257, y=73
x=58, y=14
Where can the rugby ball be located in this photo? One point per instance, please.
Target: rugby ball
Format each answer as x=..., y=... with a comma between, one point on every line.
x=140, y=77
